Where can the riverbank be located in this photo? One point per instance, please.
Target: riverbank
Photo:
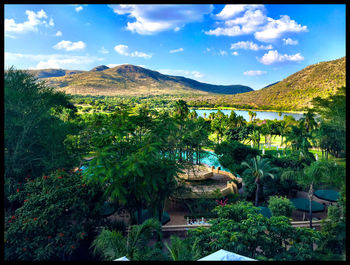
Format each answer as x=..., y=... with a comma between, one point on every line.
x=254, y=110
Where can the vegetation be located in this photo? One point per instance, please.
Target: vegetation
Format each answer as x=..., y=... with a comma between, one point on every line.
x=281, y=206
x=292, y=93
x=136, y=148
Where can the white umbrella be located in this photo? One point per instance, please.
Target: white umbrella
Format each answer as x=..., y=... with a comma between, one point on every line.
x=121, y=259
x=222, y=255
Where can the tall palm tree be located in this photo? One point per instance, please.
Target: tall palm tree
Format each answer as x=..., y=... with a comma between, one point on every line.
x=298, y=138
x=316, y=173
x=259, y=168
x=181, y=109
x=250, y=113
x=308, y=120
x=240, y=121
x=111, y=245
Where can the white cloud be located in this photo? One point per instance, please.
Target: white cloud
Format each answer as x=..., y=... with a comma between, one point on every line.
x=33, y=21
x=151, y=19
x=235, y=53
x=251, y=20
x=69, y=46
x=230, y=11
x=185, y=73
x=57, y=61
x=274, y=57
x=124, y=50
x=236, y=20
x=103, y=50
x=221, y=52
x=254, y=72
x=58, y=33
x=177, y=50
x=274, y=29
x=290, y=41
x=249, y=45
x=79, y=8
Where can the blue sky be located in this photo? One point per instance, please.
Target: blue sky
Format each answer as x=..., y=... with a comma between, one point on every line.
x=253, y=45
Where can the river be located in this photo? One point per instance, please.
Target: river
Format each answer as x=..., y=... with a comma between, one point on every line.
x=262, y=115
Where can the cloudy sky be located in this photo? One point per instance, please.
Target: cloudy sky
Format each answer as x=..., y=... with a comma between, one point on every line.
x=252, y=45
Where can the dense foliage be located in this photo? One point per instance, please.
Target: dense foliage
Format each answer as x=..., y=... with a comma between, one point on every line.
x=58, y=211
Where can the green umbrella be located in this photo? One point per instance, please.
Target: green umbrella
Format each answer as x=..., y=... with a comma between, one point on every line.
x=146, y=215
x=328, y=195
x=265, y=211
x=107, y=209
x=303, y=204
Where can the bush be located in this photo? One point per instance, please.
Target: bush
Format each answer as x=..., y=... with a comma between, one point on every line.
x=280, y=206
x=58, y=211
x=232, y=154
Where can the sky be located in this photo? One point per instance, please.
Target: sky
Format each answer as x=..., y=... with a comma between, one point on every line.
x=253, y=45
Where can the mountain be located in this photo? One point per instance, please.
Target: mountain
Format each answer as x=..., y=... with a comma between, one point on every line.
x=294, y=92
x=129, y=80
x=45, y=73
x=271, y=84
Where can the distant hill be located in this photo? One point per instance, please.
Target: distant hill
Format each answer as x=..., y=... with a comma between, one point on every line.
x=271, y=84
x=294, y=92
x=129, y=80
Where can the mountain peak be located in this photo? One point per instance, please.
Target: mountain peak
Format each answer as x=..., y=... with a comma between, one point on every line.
x=99, y=68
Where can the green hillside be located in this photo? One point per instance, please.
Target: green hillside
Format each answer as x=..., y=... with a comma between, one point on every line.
x=292, y=93
x=130, y=80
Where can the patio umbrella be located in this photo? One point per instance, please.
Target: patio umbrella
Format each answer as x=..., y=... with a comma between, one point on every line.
x=224, y=255
x=146, y=215
x=265, y=211
x=302, y=204
x=328, y=195
x=121, y=259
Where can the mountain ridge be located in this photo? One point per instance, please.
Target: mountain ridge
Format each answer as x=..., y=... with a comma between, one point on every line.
x=128, y=79
x=294, y=92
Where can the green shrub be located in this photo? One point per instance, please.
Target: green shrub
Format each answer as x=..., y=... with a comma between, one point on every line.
x=280, y=206
x=57, y=212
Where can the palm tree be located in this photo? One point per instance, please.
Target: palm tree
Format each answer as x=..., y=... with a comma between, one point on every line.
x=181, y=109
x=259, y=168
x=308, y=120
x=179, y=249
x=316, y=173
x=252, y=115
x=240, y=121
x=111, y=244
x=255, y=137
x=298, y=138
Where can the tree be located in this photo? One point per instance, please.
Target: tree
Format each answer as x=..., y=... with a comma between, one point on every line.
x=255, y=136
x=332, y=134
x=218, y=124
x=308, y=120
x=240, y=228
x=298, y=138
x=316, y=173
x=181, y=109
x=110, y=245
x=252, y=115
x=259, y=168
x=37, y=121
x=182, y=250
x=232, y=153
x=57, y=212
x=280, y=206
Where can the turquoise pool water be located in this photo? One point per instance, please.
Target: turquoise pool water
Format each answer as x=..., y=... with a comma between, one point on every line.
x=212, y=159
x=207, y=157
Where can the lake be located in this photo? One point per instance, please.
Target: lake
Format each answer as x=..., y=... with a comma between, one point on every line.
x=262, y=115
